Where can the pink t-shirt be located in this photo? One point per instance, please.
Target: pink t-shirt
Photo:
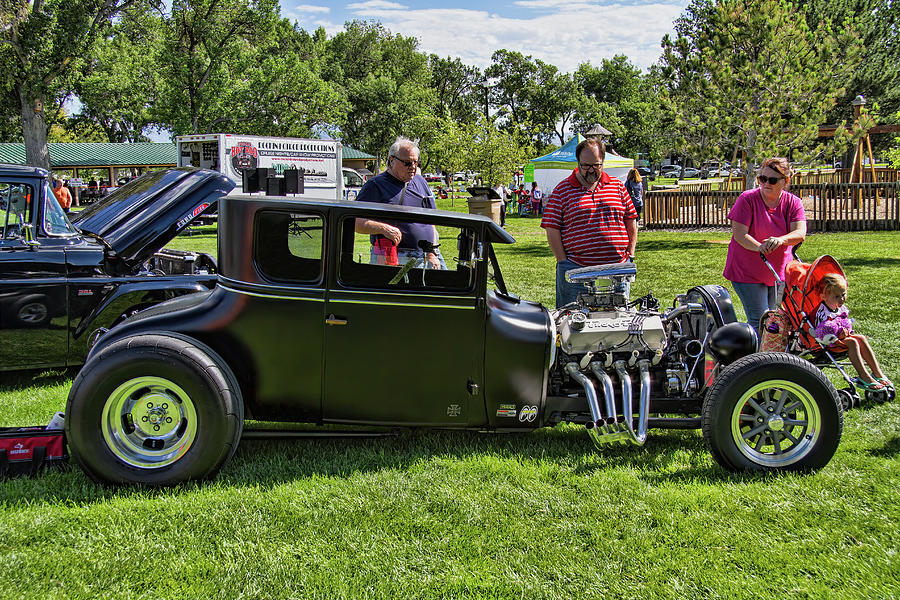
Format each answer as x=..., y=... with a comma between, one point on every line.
x=745, y=266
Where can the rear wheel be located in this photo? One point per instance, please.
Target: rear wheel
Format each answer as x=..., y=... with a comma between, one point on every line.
x=772, y=412
x=154, y=409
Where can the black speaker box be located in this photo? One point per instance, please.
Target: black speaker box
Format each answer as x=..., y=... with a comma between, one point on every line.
x=275, y=186
x=293, y=181
x=254, y=180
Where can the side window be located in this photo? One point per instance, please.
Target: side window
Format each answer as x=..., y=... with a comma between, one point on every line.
x=288, y=246
x=374, y=262
x=55, y=220
x=15, y=208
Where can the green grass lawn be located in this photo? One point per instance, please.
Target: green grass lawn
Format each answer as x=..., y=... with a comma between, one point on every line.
x=467, y=515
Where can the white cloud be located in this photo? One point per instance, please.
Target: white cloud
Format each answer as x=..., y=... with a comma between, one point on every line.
x=310, y=8
x=375, y=5
x=564, y=33
x=566, y=37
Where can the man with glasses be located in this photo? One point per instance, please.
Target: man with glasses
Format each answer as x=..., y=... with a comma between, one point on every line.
x=589, y=219
x=400, y=184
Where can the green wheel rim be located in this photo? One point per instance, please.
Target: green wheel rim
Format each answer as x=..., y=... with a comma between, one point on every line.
x=776, y=423
x=149, y=422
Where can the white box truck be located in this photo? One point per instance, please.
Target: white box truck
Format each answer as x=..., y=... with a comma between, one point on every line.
x=231, y=154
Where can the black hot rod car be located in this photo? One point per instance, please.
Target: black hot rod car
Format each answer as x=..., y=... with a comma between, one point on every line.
x=303, y=327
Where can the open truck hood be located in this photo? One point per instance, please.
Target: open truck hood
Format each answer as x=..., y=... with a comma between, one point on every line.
x=143, y=216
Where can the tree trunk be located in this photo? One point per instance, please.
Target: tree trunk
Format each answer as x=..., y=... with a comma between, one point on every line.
x=749, y=175
x=34, y=130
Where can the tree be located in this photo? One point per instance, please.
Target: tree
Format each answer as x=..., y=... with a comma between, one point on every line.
x=877, y=76
x=457, y=92
x=386, y=82
x=530, y=95
x=206, y=47
x=755, y=74
x=42, y=45
x=618, y=96
x=120, y=82
x=496, y=153
x=282, y=91
x=448, y=147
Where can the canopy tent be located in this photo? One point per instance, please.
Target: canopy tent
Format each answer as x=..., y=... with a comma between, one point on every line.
x=552, y=168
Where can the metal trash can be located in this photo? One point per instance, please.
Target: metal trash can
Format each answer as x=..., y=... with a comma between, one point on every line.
x=485, y=201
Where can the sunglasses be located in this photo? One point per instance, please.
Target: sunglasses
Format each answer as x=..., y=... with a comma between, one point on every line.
x=407, y=163
x=769, y=180
x=591, y=167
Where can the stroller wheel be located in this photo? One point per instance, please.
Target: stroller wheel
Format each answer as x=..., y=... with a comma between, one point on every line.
x=849, y=398
x=878, y=396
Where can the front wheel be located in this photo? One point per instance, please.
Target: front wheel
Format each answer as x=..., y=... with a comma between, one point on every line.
x=155, y=410
x=772, y=411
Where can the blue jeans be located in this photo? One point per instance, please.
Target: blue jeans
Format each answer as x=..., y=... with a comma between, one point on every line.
x=756, y=298
x=566, y=292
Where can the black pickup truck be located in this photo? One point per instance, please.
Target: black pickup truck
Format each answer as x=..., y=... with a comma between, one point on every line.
x=64, y=278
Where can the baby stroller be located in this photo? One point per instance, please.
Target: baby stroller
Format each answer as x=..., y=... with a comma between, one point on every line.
x=790, y=327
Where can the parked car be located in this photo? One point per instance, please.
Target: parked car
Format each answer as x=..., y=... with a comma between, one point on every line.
x=432, y=177
x=670, y=171
x=302, y=328
x=690, y=173
x=62, y=280
x=645, y=172
x=353, y=182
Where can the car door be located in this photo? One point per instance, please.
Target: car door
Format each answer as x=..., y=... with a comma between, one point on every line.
x=404, y=345
x=33, y=312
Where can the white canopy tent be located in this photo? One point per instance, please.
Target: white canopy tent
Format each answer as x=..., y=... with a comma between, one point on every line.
x=552, y=168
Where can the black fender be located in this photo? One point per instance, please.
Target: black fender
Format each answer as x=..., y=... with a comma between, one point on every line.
x=716, y=300
x=128, y=297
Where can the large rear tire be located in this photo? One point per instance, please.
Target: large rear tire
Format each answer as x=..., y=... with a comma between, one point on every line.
x=772, y=411
x=154, y=410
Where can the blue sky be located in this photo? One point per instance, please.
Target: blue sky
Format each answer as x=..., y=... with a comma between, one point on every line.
x=564, y=33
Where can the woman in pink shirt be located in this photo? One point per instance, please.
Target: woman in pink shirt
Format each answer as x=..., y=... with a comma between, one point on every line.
x=767, y=220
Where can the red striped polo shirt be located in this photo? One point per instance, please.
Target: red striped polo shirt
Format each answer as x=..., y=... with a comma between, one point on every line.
x=591, y=222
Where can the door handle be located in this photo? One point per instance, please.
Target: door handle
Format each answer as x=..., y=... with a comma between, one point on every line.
x=333, y=320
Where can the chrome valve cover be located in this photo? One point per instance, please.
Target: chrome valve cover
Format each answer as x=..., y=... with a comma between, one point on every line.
x=619, y=330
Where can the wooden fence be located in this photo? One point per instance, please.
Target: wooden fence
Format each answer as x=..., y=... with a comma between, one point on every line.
x=828, y=206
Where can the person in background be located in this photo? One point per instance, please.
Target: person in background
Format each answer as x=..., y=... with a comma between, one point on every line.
x=501, y=191
x=523, y=197
x=63, y=196
x=766, y=221
x=589, y=220
x=635, y=188
x=537, y=199
x=400, y=184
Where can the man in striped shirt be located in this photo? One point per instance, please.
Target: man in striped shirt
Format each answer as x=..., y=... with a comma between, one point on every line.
x=589, y=219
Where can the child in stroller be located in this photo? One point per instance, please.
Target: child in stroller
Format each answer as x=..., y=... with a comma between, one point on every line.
x=792, y=328
x=834, y=329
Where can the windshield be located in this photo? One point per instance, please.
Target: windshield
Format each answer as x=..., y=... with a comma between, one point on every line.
x=55, y=220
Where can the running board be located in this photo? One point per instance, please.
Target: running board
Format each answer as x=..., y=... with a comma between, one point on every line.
x=272, y=434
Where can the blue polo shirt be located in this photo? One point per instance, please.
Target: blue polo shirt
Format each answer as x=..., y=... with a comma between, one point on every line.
x=384, y=188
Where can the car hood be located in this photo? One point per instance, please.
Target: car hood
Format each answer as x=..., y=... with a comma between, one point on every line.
x=143, y=216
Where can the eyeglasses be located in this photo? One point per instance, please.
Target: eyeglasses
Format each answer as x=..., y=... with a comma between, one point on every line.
x=591, y=167
x=406, y=163
x=769, y=180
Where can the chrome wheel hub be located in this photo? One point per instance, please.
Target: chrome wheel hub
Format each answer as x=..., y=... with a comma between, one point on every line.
x=149, y=422
x=776, y=423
